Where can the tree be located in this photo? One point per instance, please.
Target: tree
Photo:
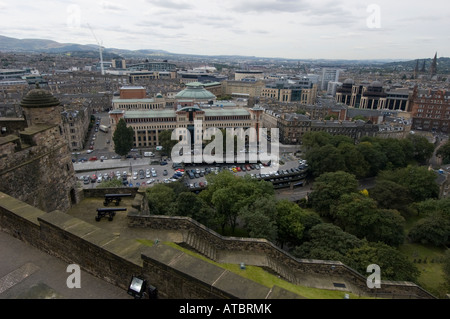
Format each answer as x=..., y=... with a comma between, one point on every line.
x=327, y=242
x=259, y=219
x=393, y=265
x=160, y=199
x=324, y=159
x=227, y=194
x=289, y=223
x=355, y=162
x=123, y=138
x=373, y=155
x=434, y=230
x=444, y=153
x=165, y=140
x=315, y=139
x=360, y=216
x=430, y=206
x=187, y=204
x=328, y=189
x=394, y=152
x=422, y=149
x=391, y=195
x=434, y=227
x=419, y=181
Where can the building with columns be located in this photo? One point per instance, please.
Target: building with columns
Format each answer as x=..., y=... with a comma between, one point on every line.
x=192, y=104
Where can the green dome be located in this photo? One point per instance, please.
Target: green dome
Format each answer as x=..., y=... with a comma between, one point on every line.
x=195, y=91
x=39, y=98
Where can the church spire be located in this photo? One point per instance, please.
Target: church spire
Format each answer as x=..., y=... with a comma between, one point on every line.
x=423, y=67
x=416, y=69
x=433, y=68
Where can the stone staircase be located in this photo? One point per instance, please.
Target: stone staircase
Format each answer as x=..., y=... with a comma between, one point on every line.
x=201, y=246
x=281, y=270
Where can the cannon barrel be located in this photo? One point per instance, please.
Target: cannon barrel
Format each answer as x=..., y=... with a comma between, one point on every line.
x=111, y=209
x=117, y=195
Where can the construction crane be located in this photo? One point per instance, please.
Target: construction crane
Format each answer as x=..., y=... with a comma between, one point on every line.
x=99, y=49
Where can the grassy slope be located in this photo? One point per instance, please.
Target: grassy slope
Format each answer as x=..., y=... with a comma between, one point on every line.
x=261, y=276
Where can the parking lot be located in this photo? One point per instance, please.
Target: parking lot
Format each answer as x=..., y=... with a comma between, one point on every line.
x=98, y=162
x=141, y=172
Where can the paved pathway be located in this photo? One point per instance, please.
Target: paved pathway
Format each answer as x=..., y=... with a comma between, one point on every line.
x=28, y=273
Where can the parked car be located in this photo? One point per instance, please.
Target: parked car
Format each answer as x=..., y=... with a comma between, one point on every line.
x=165, y=173
x=93, y=158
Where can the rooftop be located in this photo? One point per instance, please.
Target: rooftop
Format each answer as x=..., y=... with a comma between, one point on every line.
x=118, y=100
x=39, y=98
x=195, y=90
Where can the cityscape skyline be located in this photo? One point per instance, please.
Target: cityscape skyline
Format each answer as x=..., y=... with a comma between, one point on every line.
x=292, y=29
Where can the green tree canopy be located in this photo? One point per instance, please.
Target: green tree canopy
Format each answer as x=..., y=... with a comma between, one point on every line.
x=422, y=149
x=355, y=163
x=434, y=227
x=325, y=159
x=374, y=156
x=289, y=223
x=328, y=189
x=259, y=219
x=360, y=216
x=327, y=242
x=419, y=181
x=160, y=199
x=444, y=153
x=228, y=193
x=123, y=138
x=433, y=230
x=315, y=139
x=393, y=264
x=391, y=195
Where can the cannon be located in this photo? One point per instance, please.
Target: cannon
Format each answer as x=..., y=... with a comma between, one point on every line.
x=110, y=212
x=114, y=197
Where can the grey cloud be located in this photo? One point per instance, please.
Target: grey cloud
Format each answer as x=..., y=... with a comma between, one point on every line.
x=109, y=6
x=261, y=6
x=171, y=4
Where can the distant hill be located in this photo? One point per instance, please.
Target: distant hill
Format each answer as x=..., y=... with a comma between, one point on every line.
x=8, y=44
x=40, y=45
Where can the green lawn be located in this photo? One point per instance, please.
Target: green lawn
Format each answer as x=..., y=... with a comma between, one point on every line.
x=430, y=266
x=265, y=278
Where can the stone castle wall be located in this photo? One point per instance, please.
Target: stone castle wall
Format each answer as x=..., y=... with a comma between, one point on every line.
x=295, y=270
x=175, y=274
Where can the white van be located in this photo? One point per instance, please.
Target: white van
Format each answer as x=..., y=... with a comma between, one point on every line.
x=148, y=154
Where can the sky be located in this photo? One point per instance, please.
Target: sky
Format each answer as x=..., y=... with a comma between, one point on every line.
x=294, y=29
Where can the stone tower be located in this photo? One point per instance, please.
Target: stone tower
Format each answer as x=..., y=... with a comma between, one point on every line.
x=36, y=164
x=41, y=107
